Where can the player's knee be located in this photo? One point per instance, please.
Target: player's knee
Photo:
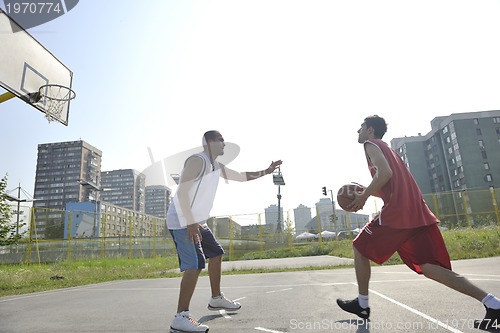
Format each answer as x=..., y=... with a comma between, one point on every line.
x=218, y=258
x=428, y=271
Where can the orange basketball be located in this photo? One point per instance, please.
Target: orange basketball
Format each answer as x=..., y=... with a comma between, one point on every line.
x=345, y=195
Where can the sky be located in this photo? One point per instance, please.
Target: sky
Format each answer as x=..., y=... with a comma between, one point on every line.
x=290, y=80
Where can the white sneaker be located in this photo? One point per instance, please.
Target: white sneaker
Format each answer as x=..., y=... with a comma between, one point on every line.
x=184, y=323
x=222, y=303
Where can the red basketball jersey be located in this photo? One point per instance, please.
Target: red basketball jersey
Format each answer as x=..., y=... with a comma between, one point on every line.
x=404, y=207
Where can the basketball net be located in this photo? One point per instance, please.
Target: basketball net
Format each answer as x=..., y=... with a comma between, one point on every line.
x=54, y=98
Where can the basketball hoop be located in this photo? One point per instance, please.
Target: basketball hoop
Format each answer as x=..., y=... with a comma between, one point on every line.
x=54, y=98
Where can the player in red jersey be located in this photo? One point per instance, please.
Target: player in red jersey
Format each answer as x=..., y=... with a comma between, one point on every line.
x=406, y=225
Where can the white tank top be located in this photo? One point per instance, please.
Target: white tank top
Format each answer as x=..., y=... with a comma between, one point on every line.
x=201, y=196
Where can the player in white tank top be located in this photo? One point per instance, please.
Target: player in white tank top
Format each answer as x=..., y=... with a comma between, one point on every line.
x=188, y=213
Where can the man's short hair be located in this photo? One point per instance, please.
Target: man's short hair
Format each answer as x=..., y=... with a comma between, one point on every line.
x=378, y=124
x=210, y=136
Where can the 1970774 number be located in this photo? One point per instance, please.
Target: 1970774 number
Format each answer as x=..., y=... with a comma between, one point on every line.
x=33, y=7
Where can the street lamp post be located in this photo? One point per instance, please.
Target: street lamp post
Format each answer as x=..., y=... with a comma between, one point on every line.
x=278, y=180
x=18, y=200
x=334, y=216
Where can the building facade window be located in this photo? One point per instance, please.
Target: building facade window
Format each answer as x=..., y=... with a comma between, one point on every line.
x=489, y=178
x=486, y=166
x=476, y=121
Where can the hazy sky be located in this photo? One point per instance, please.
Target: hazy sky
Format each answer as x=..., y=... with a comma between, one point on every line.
x=290, y=80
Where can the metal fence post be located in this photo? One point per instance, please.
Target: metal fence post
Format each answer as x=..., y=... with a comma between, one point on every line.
x=466, y=209
x=318, y=220
x=261, y=242
x=495, y=205
x=103, y=236
x=155, y=220
x=231, y=239
x=29, y=243
x=289, y=230
x=130, y=237
x=70, y=227
x=436, y=204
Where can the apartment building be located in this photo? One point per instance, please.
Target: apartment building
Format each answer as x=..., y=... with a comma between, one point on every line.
x=157, y=200
x=81, y=221
x=456, y=163
x=61, y=168
x=125, y=188
x=462, y=151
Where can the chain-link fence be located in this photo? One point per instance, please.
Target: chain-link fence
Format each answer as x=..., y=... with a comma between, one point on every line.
x=61, y=235
x=460, y=209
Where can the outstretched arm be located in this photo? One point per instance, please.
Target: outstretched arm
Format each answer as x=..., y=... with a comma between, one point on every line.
x=231, y=174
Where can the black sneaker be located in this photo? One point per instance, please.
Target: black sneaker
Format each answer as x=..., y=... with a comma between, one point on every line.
x=353, y=306
x=491, y=320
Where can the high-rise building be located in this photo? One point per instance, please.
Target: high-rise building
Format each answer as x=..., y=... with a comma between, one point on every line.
x=61, y=169
x=302, y=216
x=125, y=188
x=343, y=220
x=324, y=210
x=462, y=151
x=272, y=216
x=157, y=200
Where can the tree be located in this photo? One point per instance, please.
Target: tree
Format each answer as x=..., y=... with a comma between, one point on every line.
x=7, y=229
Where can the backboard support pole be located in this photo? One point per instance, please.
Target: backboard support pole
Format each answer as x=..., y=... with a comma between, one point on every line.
x=6, y=96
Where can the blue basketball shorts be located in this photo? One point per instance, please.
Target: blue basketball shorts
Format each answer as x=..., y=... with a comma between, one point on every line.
x=194, y=255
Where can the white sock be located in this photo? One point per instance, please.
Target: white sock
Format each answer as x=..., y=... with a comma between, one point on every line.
x=491, y=302
x=363, y=301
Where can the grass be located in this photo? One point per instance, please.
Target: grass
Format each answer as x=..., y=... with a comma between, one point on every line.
x=22, y=279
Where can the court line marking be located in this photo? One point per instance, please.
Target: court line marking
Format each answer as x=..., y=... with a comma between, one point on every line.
x=239, y=299
x=100, y=287
x=104, y=286
x=463, y=274
x=224, y=314
x=267, y=330
x=415, y=311
x=277, y=291
x=88, y=287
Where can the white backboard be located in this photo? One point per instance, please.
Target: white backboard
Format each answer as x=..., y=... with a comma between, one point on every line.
x=26, y=65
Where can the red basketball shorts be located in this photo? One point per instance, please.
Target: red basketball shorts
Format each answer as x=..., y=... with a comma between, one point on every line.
x=422, y=245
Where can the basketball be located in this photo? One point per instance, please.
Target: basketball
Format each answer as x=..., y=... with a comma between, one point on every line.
x=345, y=195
